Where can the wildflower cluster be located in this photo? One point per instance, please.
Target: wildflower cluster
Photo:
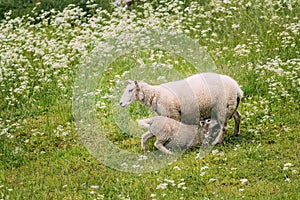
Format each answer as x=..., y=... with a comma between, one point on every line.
x=41, y=53
x=254, y=41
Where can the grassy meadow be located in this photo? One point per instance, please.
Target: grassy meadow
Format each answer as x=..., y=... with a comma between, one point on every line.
x=43, y=157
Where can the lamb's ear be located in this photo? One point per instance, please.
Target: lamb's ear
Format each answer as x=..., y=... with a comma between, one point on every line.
x=208, y=121
x=204, y=122
x=201, y=123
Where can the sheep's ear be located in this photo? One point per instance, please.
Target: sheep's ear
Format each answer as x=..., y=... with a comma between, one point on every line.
x=136, y=84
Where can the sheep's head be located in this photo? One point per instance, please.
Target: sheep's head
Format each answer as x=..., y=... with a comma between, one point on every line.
x=130, y=94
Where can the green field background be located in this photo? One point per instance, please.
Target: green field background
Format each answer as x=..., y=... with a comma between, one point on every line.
x=43, y=44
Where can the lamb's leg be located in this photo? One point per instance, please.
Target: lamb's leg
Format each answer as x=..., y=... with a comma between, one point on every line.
x=237, y=120
x=145, y=137
x=195, y=141
x=158, y=144
x=199, y=137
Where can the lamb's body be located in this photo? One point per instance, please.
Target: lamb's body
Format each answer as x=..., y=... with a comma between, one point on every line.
x=170, y=133
x=201, y=96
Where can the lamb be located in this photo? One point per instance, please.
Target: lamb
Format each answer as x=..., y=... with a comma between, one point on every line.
x=198, y=97
x=171, y=134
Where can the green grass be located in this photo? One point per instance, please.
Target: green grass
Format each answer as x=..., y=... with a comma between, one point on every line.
x=42, y=156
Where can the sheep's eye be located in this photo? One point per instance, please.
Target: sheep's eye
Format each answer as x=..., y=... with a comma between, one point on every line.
x=130, y=90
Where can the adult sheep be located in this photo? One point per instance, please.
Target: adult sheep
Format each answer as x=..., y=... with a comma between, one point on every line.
x=172, y=134
x=198, y=97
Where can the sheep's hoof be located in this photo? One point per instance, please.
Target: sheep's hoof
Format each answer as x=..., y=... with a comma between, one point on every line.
x=217, y=141
x=144, y=147
x=168, y=152
x=235, y=134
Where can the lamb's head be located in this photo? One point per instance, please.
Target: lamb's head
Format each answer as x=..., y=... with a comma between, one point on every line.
x=130, y=94
x=204, y=125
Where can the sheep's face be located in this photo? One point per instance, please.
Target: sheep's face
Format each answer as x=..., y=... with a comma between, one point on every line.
x=130, y=94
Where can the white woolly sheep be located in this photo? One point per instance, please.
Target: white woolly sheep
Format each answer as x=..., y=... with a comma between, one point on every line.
x=172, y=134
x=198, y=97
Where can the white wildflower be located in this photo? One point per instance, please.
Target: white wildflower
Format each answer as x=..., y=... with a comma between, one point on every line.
x=215, y=151
x=153, y=195
x=177, y=168
x=180, y=185
x=244, y=180
x=204, y=168
x=286, y=166
x=162, y=186
x=235, y=26
x=287, y=180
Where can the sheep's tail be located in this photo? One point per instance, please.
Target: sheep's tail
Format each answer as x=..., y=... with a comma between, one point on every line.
x=145, y=122
x=239, y=97
x=240, y=93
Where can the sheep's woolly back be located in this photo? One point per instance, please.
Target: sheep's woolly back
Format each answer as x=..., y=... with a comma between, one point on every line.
x=231, y=85
x=194, y=98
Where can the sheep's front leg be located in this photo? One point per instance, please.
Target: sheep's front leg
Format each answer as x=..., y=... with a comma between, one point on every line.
x=158, y=144
x=221, y=128
x=237, y=120
x=220, y=136
x=145, y=137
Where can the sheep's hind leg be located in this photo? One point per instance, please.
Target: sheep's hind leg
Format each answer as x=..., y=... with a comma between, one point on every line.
x=237, y=120
x=145, y=137
x=158, y=144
